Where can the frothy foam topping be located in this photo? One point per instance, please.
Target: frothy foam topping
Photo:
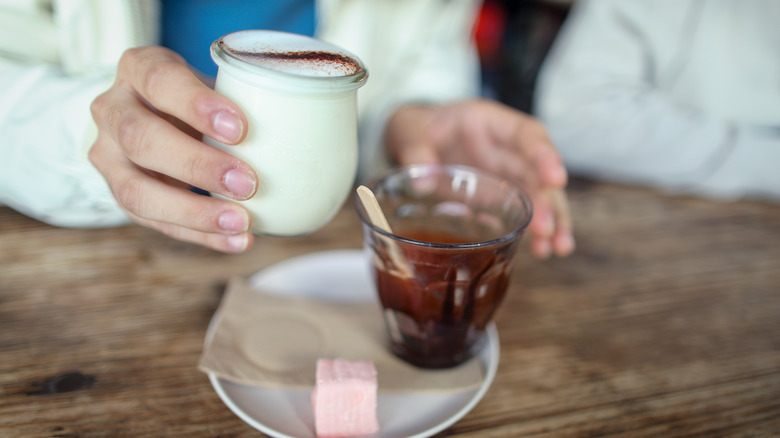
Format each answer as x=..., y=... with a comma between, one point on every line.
x=315, y=63
x=287, y=53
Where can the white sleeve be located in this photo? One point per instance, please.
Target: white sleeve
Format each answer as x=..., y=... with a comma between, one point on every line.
x=597, y=97
x=47, y=129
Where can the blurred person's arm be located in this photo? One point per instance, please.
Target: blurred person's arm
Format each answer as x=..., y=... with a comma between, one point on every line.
x=599, y=96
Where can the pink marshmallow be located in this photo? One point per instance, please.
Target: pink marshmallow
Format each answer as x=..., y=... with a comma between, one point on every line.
x=344, y=398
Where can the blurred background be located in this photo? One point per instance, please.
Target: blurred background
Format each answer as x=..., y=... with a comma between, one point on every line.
x=513, y=37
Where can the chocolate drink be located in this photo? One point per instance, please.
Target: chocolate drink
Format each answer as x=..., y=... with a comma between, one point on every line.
x=437, y=315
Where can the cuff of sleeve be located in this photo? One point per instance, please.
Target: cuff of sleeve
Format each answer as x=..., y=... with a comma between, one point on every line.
x=48, y=175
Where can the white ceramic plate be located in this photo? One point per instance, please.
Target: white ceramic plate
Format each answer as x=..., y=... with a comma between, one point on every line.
x=344, y=275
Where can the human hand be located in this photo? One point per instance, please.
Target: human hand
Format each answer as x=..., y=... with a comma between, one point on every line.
x=148, y=149
x=499, y=139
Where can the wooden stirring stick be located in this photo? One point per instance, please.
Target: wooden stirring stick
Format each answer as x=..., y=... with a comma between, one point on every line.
x=373, y=209
x=377, y=217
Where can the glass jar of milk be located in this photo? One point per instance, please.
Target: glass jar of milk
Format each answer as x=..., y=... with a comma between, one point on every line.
x=299, y=95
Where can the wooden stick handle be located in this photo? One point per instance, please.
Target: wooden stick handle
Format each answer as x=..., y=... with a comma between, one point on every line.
x=378, y=218
x=372, y=208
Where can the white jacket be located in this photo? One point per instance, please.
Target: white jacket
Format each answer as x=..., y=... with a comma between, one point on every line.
x=679, y=94
x=58, y=55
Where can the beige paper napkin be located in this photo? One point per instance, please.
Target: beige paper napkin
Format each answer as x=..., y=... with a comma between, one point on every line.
x=266, y=339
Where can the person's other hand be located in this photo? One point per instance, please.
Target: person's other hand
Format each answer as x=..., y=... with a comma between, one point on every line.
x=149, y=149
x=499, y=139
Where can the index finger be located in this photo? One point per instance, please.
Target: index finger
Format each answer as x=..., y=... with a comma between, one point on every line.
x=164, y=80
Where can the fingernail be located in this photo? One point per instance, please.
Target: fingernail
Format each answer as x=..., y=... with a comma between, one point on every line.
x=565, y=245
x=542, y=250
x=240, y=183
x=560, y=176
x=556, y=175
x=237, y=242
x=233, y=221
x=228, y=126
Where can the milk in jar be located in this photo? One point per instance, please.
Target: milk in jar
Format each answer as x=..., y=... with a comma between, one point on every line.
x=299, y=95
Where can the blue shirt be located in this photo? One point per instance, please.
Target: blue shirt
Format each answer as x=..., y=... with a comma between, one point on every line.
x=190, y=26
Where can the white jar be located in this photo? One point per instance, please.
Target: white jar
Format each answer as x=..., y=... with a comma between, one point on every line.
x=299, y=95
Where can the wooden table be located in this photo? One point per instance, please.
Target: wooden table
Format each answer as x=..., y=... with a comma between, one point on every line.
x=665, y=323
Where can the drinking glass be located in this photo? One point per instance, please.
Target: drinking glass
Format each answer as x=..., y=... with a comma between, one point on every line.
x=444, y=268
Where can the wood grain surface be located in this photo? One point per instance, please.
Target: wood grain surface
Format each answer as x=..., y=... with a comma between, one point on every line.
x=665, y=323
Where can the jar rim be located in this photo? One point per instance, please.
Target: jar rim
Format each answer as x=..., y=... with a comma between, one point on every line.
x=302, y=61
